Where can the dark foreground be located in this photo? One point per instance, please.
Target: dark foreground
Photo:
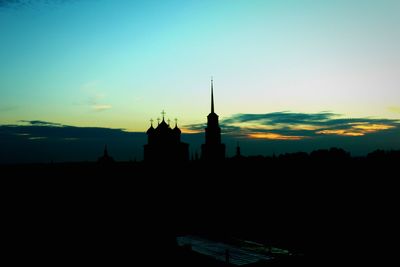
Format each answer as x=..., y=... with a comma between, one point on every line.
x=323, y=211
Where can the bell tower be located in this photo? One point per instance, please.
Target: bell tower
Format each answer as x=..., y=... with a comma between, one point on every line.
x=213, y=149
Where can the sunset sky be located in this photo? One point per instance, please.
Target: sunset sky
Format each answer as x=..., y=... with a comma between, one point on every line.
x=283, y=70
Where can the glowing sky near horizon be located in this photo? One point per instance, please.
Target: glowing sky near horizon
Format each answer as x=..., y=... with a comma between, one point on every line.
x=119, y=63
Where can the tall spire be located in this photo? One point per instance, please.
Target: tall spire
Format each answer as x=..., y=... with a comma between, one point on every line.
x=212, y=96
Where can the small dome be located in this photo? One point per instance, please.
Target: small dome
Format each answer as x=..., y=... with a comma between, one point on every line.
x=150, y=130
x=163, y=125
x=176, y=130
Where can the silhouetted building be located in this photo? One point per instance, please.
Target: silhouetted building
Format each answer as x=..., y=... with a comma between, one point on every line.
x=105, y=159
x=164, y=144
x=213, y=149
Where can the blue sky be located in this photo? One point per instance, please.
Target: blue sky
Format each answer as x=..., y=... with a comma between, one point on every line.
x=117, y=64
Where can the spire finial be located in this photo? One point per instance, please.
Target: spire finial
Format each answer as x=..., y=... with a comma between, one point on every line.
x=237, y=150
x=176, y=122
x=105, y=151
x=169, y=121
x=151, y=122
x=212, y=95
x=163, y=114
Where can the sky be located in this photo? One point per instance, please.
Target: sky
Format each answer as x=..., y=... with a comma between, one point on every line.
x=294, y=70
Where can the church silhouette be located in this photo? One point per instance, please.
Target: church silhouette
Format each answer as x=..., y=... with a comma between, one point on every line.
x=164, y=143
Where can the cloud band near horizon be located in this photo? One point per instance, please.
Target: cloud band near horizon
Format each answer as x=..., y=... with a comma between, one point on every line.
x=297, y=126
x=259, y=134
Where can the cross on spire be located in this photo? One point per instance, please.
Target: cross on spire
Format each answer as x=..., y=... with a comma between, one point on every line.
x=151, y=122
x=163, y=114
x=176, y=122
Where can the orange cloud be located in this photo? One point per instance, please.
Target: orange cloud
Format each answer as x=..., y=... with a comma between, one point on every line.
x=190, y=131
x=358, y=129
x=274, y=136
x=304, y=127
x=341, y=132
x=373, y=127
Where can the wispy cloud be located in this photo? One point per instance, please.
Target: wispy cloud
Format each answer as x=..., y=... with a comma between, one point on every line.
x=22, y=134
x=42, y=123
x=191, y=131
x=296, y=126
x=101, y=107
x=37, y=138
x=70, y=138
x=96, y=98
x=38, y=129
x=284, y=117
x=274, y=136
x=358, y=129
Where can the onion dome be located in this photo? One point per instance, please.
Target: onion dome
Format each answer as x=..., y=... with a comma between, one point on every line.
x=151, y=129
x=176, y=129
